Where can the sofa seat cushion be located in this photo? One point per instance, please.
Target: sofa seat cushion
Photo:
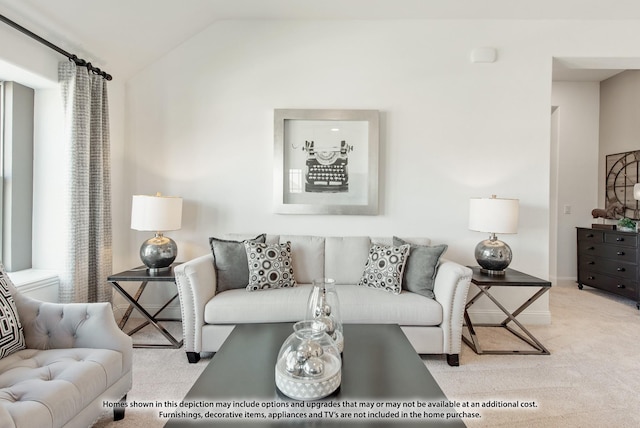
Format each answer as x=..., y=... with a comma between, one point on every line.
x=357, y=305
x=366, y=305
x=43, y=388
x=275, y=305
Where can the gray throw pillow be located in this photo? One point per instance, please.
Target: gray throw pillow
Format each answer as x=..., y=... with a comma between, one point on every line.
x=230, y=262
x=421, y=268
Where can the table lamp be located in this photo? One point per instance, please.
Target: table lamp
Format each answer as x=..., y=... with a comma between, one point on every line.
x=157, y=214
x=493, y=215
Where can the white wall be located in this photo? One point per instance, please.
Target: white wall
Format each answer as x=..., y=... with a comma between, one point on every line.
x=200, y=125
x=619, y=124
x=577, y=157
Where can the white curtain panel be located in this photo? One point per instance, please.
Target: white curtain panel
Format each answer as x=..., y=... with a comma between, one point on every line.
x=88, y=246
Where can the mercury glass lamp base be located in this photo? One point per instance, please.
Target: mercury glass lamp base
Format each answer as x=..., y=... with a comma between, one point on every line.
x=158, y=253
x=493, y=256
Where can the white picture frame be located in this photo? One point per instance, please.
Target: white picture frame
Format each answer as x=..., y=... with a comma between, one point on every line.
x=326, y=161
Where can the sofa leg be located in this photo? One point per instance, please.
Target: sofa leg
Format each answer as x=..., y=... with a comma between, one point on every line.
x=118, y=411
x=193, y=357
x=453, y=359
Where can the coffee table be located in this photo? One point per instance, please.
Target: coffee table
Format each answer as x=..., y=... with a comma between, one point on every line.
x=379, y=364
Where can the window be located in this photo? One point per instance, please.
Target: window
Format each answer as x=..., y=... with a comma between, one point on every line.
x=16, y=163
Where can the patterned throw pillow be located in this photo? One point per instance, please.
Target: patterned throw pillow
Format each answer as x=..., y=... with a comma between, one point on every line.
x=385, y=267
x=11, y=334
x=269, y=265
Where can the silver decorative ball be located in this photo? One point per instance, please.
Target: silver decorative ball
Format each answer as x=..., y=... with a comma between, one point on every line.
x=326, y=310
x=292, y=365
x=313, y=367
x=308, y=349
x=331, y=325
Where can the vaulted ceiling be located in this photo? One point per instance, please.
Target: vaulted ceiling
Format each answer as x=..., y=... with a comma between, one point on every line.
x=124, y=36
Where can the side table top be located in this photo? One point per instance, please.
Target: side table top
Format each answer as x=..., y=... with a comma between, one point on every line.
x=511, y=278
x=141, y=273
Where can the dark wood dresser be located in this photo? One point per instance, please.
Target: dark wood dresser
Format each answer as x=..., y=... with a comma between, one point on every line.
x=610, y=260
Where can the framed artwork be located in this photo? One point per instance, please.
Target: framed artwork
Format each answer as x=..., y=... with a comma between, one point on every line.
x=326, y=161
x=623, y=172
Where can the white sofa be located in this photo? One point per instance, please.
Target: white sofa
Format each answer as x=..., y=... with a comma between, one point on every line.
x=75, y=358
x=433, y=326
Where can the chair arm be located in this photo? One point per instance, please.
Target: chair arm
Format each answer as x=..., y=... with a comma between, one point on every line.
x=72, y=325
x=196, y=281
x=451, y=287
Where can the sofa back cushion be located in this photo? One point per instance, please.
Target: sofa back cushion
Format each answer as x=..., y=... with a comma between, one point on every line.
x=342, y=258
x=389, y=240
x=307, y=254
x=345, y=257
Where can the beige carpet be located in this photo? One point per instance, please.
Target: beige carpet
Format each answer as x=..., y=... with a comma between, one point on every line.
x=591, y=378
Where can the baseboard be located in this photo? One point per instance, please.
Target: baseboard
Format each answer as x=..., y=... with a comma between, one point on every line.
x=486, y=316
x=566, y=281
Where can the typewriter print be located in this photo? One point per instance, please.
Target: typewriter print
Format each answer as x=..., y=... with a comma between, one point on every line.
x=326, y=161
x=327, y=168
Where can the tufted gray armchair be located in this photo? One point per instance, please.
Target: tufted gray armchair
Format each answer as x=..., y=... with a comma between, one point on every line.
x=76, y=361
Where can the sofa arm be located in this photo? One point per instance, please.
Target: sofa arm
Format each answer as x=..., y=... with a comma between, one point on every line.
x=451, y=287
x=196, y=281
x=72, y=325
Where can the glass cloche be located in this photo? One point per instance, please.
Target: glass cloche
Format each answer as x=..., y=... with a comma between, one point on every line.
x=324, y=305
x=309, y=364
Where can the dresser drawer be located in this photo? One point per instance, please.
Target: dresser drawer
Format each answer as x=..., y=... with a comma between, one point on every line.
x=610, y=267
x=626, y=240
x=619, y=286
x=613, y=252
x=589, y=235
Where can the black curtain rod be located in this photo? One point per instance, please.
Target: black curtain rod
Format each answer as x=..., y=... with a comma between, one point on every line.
x=74, y=58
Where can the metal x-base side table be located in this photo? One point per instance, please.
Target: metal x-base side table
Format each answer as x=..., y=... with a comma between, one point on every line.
x=511, y=278
x=142, y=275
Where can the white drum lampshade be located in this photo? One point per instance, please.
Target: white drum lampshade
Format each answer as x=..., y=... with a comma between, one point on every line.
x=493, y=215
x=157, y=214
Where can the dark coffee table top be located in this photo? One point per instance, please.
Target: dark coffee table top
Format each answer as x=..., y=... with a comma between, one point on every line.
x=379, y=364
